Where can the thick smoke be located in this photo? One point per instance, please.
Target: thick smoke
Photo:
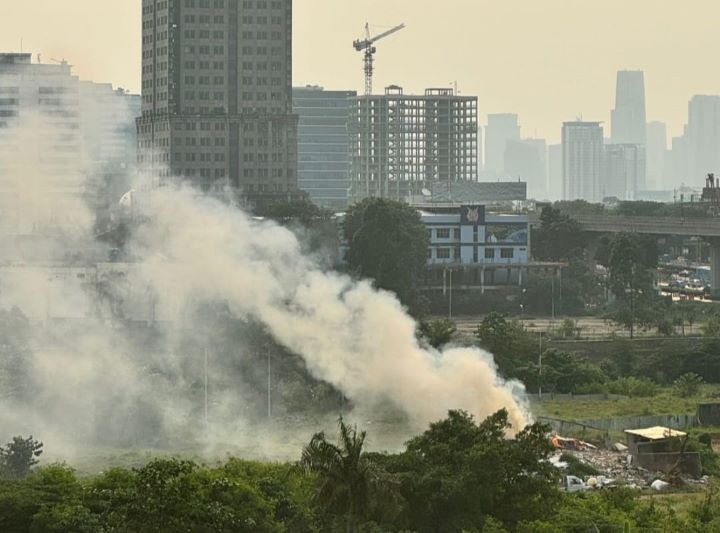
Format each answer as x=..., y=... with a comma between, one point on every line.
x=98, y=353
x=349, y=334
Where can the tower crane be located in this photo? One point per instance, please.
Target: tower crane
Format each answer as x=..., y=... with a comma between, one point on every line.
x=368, y=46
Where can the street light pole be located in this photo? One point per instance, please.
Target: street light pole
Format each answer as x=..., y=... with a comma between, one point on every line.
x=540, y=367
x=450, y=295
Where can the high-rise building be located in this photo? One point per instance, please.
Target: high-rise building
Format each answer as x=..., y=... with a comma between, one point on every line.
x=656, y=149
x=583, y=150
x=628, y=117
x=400, y=144
x=527, y=160
x=501, y=128
x=65, y=144
x=623, y=171
x=323, y=144
x=216, y=89
x=703, y=137
x=555, y=172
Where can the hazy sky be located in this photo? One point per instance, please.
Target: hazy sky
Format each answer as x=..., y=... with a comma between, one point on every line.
x=547, y=60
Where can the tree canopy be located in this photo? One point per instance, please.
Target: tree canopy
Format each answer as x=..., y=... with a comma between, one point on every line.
x=387, y=242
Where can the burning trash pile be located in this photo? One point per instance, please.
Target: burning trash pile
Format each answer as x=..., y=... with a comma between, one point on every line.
x=586, y=466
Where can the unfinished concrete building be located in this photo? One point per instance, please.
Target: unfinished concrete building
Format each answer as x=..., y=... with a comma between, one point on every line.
x=400, y=144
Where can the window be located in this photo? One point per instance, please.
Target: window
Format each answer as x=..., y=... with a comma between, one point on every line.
x=443, y=253
x=507, y=253
x=443, y=233
x=489, y=253
x=456, y=233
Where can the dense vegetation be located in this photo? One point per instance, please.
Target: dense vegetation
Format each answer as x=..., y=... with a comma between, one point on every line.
x=458, y=476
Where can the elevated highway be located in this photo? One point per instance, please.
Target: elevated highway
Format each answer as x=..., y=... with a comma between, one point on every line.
x=706, y=228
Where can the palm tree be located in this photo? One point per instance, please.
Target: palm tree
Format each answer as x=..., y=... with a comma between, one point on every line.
x=345, y=475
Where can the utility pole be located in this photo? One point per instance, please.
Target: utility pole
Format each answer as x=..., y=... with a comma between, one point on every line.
x=206, y=389
x=540, y=367
x=450, y=295
x=269, y=404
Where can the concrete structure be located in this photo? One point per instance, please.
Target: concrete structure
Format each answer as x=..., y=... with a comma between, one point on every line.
x=555, y=172
x=526, y=160
x=323, y=144
x=583, y=152
x=65, y=144
x=702, y=137
x=656, y=150
x=706, y=228
x=471, y=192
x=216, y=86
x=628, y=117
x=660, y=449
x=467, y=235
x=501, y=128
x=623, y=173
x=400, y=143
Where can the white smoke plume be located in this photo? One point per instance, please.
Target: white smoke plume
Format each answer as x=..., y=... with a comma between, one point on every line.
x=349, y=334
x=79, y=374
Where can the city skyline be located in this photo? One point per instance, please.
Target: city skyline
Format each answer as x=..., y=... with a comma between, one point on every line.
x=568, y=72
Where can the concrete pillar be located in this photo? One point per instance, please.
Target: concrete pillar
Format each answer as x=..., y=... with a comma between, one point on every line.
x=715, y=267
x=591, y=250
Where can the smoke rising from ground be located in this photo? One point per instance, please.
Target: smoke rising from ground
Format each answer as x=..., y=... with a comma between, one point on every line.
x=349, y=334
x=98, y=353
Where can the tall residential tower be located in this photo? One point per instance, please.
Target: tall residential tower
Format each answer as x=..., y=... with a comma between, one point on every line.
x=583, y=151
x=217, y=96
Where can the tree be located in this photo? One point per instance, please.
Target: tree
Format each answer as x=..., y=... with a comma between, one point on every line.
x=19, y=456
x=632, y=260
x=688, y=385
x=347, y=479
x=558, y=237
x=711, y=327
x=458, y=474
x=507, y=340
x=388, y=243
x=437, y=332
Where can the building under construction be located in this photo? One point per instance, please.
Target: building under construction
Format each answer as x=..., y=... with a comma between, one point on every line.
x=400, y=144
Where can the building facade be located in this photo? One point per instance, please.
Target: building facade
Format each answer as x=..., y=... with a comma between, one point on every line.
x=323, y=144
x=623, y=173
x=482, y=248
x=217, y=95
x=629, y=116
x=501, y=129
x=63, y=144
x=583, y=152
x=702, y=137
x=527, y=160
x=656, y=149
x=400, y=143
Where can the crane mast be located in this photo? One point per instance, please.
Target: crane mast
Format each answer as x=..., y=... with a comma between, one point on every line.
x=367, y=45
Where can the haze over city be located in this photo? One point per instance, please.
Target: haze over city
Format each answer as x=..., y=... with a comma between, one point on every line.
x=549, y=61
x=267, y=269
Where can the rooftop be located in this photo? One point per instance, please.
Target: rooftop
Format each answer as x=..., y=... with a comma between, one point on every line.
x=656, y=433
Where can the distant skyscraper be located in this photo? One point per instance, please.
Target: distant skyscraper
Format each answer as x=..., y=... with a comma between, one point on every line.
x=583, y=150
x=501, y=128
x=216, y=86
x=628, y=117
x=527, y=160
x=623, y=171
x=703, y=137
x=656, y=149
x=323, y=144
x=555, y=172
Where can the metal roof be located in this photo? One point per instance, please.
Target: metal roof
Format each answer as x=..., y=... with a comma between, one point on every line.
x=656, y=433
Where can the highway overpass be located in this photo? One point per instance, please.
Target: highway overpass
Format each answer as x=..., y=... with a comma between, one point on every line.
x=706, y=228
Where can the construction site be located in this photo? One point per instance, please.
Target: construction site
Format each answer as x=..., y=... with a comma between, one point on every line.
x=400, y=144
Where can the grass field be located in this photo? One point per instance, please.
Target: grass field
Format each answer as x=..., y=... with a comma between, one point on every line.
x=665, y=403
